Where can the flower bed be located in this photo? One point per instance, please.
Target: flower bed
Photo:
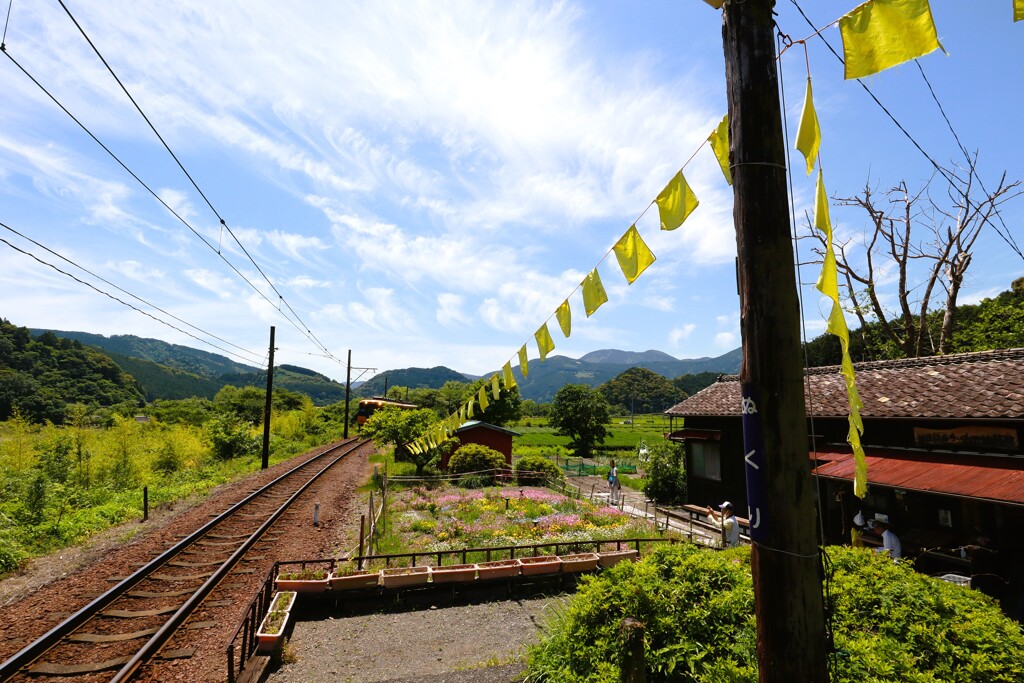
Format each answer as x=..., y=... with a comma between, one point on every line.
x=498, y=569
x=452, y=518
x=542, y=564
x=303, y=581
x=271, y=631
x=611, y=557
x=353, y=579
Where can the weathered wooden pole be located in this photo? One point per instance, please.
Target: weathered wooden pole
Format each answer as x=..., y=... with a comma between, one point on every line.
x=784, y=554
x=269, y=403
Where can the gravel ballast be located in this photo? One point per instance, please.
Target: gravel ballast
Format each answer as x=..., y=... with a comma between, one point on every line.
x=477, y=643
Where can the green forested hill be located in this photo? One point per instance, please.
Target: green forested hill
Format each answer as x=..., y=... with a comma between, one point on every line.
x=321, y=389
x=996, y=323
x=175, y=356
x=414, y=378
x=164, y=382
x=41, y=376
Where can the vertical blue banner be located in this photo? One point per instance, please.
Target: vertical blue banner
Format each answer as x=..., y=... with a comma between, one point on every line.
x=754, y=463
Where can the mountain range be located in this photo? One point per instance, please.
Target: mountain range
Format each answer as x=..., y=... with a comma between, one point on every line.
x=173, y=371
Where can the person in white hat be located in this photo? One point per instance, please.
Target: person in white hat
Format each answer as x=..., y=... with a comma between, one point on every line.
x=727, y=520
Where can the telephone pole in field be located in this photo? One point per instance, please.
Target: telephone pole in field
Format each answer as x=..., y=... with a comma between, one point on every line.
x=784, y=553
x=269, y=403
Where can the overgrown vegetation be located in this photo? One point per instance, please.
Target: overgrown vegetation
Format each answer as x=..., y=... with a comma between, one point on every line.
x=891, y=624
x=59, y=485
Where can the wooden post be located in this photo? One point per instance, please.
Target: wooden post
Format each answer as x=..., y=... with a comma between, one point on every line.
x=268, y=403
x=784, y=554
x=145, y=503
x=633, y=668
x=362, y=538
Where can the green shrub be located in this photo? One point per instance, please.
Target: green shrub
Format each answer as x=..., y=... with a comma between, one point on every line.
x=666, y=476
x=535, y=469
x=890, y=623
x=474, y=457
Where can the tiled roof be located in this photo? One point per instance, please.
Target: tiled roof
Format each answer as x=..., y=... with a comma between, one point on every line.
x=986, y=384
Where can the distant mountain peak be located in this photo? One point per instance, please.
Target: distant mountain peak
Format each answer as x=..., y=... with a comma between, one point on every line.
x=617, y=357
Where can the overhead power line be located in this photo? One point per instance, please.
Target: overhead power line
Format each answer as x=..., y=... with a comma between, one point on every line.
x=308, y=332
x=122, y=290
x=125, y=303
x=1006, y=236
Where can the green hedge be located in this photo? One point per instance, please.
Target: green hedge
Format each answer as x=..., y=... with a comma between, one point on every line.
x=890, y=623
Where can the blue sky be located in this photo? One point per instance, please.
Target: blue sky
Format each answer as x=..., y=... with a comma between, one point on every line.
x=425, y=182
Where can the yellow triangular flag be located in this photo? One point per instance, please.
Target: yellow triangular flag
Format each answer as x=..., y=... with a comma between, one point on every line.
x=469, y=408
x=545, y=344
x=883, y=33
x=524, y=365
x=564, y=315
x=633, y=254
x=495, y=389
x=593, y=292
x=1018, y=10
x=462, y=415
x=719, y=140
x=507, y=376
x=482, y=397
x=675, y=202
x=808, y=135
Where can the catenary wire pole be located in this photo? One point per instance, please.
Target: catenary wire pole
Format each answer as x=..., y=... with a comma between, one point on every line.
x=784, y=555
x=269, y=404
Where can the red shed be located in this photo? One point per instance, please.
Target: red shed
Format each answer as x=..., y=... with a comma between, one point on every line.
x=492, y=436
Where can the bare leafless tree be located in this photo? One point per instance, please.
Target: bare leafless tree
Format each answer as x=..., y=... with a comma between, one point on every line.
x=929, y=243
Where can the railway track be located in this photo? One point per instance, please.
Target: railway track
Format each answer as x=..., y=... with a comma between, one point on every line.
x=131, y=623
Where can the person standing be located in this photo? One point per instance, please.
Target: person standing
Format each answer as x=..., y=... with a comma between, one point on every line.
x=730, y=525
x=613, y=484
x=890, y=541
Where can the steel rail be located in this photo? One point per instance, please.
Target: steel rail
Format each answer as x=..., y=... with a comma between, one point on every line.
x=157, y=640
x=37, y=648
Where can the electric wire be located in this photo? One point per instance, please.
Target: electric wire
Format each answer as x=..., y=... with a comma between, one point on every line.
x=967, y=155
x=125, y=303
x=122, y=290
x=156, y=196
x=7, y=21
x=943, y=172
x=309, y=333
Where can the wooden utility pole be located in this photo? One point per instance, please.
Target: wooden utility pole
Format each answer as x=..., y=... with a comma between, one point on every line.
x=784, y=556
x=269, y=404
x=348, y=383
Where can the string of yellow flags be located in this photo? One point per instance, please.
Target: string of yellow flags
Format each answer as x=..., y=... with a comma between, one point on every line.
x=675, y=204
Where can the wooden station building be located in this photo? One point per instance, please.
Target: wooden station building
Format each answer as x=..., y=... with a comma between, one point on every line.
x=943, y=440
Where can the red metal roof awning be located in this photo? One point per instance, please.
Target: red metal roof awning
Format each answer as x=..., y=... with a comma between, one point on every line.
x=988, y=478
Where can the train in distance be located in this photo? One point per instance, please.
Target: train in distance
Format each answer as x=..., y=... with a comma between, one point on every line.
x=368, y=406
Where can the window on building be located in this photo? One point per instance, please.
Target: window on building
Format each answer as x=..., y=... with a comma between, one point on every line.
x=705, y=461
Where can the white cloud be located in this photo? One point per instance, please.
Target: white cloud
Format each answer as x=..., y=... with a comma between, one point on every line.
x=449, y=309
x=725, y=340
x=679, y=334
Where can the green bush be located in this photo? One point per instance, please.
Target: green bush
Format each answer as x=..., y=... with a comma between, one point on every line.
x=528, y=466
x=666, y=476
x=474, y=457
x=890, y=623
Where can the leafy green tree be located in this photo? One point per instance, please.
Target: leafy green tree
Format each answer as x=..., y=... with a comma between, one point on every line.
x=396, y=428
x=640, y=390
x=500, y=412
x=35, y=498
x=666, y=475
x=231, y=438
x=55, y=458
x=244, y=403
x=193, y=411
x=581, y=414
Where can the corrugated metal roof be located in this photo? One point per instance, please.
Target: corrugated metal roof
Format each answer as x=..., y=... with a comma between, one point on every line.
x=473, y=424
x=987, y=384
x=992, y=478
